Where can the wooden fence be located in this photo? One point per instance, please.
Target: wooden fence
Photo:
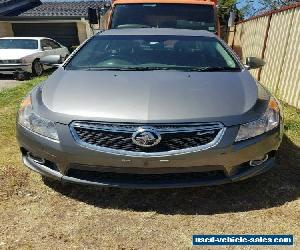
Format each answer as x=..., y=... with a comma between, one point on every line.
x=274, y=37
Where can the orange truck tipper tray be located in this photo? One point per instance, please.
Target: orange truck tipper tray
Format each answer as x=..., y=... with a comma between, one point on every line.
x=165, y=1
x=178, y=14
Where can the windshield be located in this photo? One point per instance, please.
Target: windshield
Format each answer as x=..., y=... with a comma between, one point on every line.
x=179, y=16
x=18, y=44
x=153, y=53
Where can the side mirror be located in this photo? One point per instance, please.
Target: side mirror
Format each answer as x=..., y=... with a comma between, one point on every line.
x=232, y=16
x=254, y=63
x=53, y=61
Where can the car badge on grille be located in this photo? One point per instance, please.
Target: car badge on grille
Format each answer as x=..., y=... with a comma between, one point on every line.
x=146, y=137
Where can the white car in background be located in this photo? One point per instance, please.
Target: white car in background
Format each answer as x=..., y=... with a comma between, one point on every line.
x=21, y=55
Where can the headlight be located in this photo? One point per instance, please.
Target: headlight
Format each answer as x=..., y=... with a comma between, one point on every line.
x=28, y=119
x=267, y=122
x=17, y=61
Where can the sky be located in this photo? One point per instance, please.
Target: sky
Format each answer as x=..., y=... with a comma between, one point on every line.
x=241, y=3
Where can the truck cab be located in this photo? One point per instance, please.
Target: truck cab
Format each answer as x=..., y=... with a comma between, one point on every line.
x=179, y=14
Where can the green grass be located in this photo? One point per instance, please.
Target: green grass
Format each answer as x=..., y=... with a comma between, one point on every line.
x=292, y=123
x=12, y=97
x=10, y=100
x=12, y=177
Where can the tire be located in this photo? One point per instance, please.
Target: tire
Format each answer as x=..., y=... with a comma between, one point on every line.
x=37, y=68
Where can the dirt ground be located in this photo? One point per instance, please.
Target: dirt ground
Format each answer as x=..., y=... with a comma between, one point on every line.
x=35, y=216
x=46, y=215
x=7, y=81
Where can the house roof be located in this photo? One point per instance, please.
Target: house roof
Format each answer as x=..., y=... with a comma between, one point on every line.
x=54, y=8
x=6, y=1
x=60, y=9
x=10, y=6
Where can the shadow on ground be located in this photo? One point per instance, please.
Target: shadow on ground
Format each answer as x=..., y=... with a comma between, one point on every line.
x=6, y=77
x=7, y=81
x=10, y=77
x=274, y=188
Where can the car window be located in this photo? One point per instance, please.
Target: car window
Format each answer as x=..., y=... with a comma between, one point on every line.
x=18, y=44
x=50, y=44
x=43, y=43
x=168, y=52
x=53, y=45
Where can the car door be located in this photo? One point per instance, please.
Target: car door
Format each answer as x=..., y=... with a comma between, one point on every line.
x=46, y=48
x=51, y=47
x=57, y=49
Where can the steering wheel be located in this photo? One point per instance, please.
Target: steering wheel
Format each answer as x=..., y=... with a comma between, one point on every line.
x=112, y=60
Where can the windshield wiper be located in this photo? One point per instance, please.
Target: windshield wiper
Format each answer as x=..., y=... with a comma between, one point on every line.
x=145, y=68
x=124, y=68
x=212, y=69
x=149, y=68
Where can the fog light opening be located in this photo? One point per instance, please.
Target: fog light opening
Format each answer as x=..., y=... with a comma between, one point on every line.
x=257, y=162
x=36, y=158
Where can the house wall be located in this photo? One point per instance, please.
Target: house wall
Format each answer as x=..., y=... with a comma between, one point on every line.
x=274, y=37
x=83, y=28
x=82, y=33
x=6, y=29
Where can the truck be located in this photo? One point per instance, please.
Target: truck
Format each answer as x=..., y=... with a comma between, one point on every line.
x=179, y=14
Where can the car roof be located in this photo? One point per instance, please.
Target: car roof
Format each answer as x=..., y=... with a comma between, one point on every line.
x=156, y=31
x=32, y=38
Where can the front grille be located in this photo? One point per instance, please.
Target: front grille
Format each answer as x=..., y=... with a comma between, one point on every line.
x=175, y=138
x=9, y=61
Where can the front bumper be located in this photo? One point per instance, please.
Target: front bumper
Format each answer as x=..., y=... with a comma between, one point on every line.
x=69, y=162
x=13, y=68
x=240, y=175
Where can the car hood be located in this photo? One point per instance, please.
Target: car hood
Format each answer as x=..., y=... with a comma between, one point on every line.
x=12, y=54
x=148, y=96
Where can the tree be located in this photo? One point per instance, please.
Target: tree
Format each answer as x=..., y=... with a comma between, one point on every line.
x=251, y=8
x=225, y=7
x=266, y=5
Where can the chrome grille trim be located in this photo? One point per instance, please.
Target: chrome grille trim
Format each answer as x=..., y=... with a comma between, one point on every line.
x=161, y=128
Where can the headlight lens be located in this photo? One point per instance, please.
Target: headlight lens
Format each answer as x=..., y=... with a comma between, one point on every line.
x=267, y=122
x=28, y=119
x=18, y=61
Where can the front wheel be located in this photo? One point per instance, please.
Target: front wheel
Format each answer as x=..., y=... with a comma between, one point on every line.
x=37, y=68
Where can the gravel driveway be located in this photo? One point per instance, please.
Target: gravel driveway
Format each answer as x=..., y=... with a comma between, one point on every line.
x=8, y=82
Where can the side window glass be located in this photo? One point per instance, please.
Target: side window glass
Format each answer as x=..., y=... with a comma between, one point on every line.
x=43, y=44
x=53, y=44
x=229, y=61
